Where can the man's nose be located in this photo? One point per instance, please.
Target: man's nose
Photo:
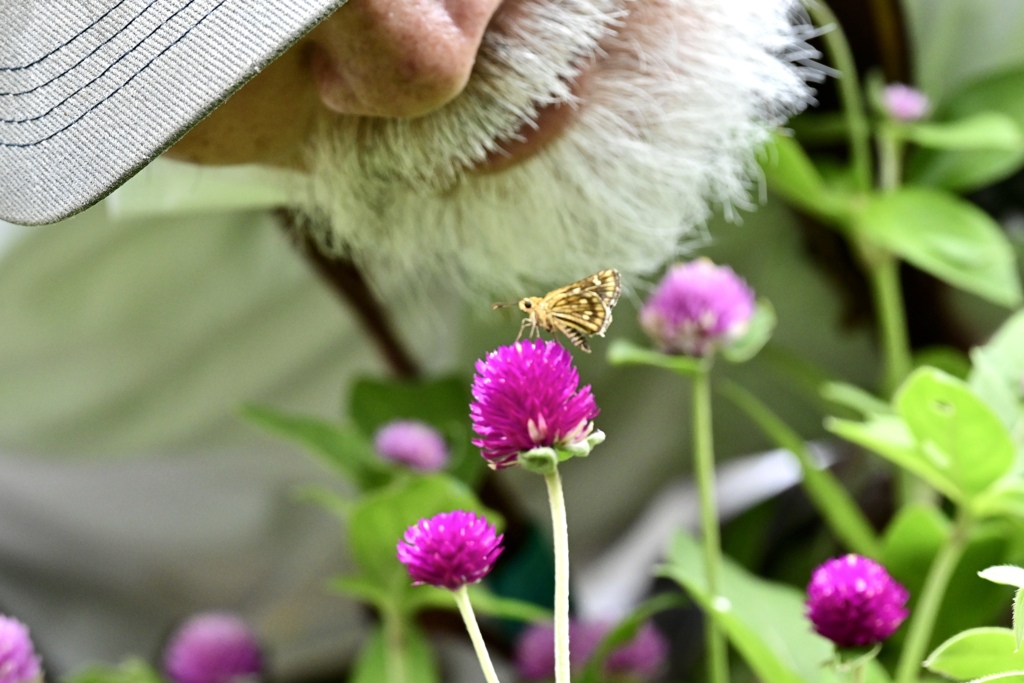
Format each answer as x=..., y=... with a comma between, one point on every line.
x=397, y=58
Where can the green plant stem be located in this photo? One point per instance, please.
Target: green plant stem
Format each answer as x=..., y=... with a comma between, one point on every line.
x=704, y=466
x=883, y=271
x=890, y=159
x=857, y=673
x=841, y=56
x=560, y=535
x=922, y=620
x=394, y=636
x=466, y=609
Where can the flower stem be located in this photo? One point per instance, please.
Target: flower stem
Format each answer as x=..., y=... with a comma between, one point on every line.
x=923, y=620
x=560, y=534
x=704, y=465
x=394, y=636
x=466, y=609
x=883, y=271
x=841, y=56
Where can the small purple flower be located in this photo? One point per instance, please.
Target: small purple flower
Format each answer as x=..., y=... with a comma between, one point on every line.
x=696, y=308
x=412, y=443
x=535, y=652
x=449, y=550
x=18, y=660
x=853, y=601
x=904, y=103
x=642, y=657
x=213, y=647
x=527, y=395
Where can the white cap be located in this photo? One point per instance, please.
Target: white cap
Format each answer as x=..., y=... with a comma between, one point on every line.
x=93, y=90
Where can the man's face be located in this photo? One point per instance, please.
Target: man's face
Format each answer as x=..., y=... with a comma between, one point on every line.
x=490, y=142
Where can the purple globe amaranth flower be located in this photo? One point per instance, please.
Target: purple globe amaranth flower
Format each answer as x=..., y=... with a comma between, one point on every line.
x=450, y=549
x=412, y=443
x=645, y=656
x=18, y=660
x=642, y=657
x=904, y=103
x=696, y=308
x=527, y=395
x=213, y=647
x=853, y=601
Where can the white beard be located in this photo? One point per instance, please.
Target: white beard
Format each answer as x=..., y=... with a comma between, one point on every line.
x=675, y=106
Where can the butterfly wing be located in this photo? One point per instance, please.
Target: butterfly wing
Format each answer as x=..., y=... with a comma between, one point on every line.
x=587, y=304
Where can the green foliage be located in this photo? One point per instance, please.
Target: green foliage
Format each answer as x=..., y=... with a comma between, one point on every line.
x=946, y=236
x=975, y=653
x=378, y=520
x=943, y=432
x=763, y=620
x=398, y=655
x=1011, y=576
x=984, y=131
x=442, y=403
x=130, y=671
x=996, y=157
x=758, y=332
x=792, y=174
x=834, y=503
x=344, y=449
x=625, y=631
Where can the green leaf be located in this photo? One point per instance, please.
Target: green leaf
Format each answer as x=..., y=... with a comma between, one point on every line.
x=855, y=398
x=1004, y=499
x=999, y=369
x=890, y=437
x=763, y=620
x=975, y=653
x=910, y=542
x=968, y=170
x=987, y=130
x=1018, y=618
x=1006, y=574
x=791, y=173
x=758, y=332
x=342, y=448
x=442, y=403
x=379, y=519
x=362, y=589
x=485, y=603
x=839, y=510
x=946, y=236
x=130, y=671
x=955, y=429
x=623, y=352
x=625, y=631
x=407, y=658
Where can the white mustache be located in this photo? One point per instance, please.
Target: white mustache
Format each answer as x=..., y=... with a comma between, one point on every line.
x=681, y=96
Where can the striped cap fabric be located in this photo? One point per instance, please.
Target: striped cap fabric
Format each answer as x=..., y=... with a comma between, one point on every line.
x=92, y=90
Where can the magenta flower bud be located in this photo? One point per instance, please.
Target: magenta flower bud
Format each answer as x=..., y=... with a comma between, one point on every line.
x=449, y=550
x=904, y=103
x=412, y=443
x=527, y=395
x=853, y=601
x=18, y=660
x=213, y=647
x=642, y=657
x=697, y=308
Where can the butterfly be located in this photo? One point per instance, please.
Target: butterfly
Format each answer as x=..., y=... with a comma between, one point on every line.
x=577, y=310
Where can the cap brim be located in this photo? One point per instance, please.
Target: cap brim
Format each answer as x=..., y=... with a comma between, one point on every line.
x=90, y=92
